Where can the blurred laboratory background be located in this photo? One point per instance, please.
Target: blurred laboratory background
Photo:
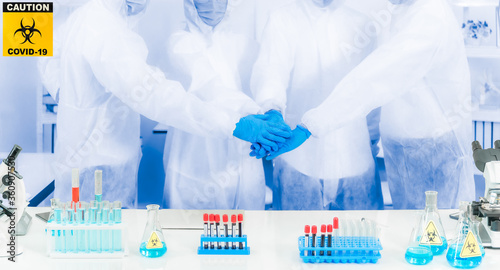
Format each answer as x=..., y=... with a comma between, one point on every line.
x=28, y=114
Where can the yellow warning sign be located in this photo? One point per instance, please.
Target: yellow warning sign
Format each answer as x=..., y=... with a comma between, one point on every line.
x=471, y=247
x=27, y=29
x=433, y=237
x=154, y=241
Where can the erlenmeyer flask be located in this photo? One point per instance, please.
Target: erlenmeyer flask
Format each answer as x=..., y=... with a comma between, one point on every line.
x=465, y=250
x=153, y=243
x=419, y=250
x=433, y=226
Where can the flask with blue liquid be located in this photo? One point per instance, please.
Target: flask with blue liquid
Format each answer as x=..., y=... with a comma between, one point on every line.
x=466, y=250
x=153, y=242
x=433, y=226
x=419, y=250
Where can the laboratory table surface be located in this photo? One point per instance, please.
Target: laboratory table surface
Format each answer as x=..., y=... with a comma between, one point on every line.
x=272, y=238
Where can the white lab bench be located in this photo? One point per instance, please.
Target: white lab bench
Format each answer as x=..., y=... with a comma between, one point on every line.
x=272, y=238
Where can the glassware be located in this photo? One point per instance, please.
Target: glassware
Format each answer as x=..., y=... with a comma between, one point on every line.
x=465, y=251
x=153, y=243
x=433, y=226
x=53, y=205
x=419, y=250
x=117, y=219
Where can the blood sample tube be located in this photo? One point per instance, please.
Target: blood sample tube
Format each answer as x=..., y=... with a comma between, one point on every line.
x=336, y=231
x=307, y=230
x=323, y=231
x=233, y=229
x=329, y=242
x=217, y=223
x=75, y=185
x=212, y=227
x=226, y=231
x=240, y=228
x=313, y=242
x=205, y=229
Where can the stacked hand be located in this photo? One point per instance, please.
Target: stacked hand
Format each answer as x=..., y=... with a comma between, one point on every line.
x=269, y=134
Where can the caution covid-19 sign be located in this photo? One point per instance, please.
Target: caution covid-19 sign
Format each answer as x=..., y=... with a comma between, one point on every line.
x=27, y=28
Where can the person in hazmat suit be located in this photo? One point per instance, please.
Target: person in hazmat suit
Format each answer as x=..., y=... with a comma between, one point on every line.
x=303, y=56
x=104, y=85
x=420, y=77
x=215, y=60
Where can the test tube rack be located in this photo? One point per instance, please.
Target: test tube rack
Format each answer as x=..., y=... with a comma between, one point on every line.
x=352, y=250
x=223, y=251
x=86, y=241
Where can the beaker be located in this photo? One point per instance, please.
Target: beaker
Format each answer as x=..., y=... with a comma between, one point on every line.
x=419, y=250
x=465, y=250
x=153, y=243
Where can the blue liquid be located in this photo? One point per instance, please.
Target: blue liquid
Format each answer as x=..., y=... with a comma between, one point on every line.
x=154, y=252
x=418, y=255
x=98, y=197
x=438, y=250
x=453, y=257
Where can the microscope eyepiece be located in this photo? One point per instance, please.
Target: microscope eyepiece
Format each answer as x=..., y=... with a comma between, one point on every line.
x=497, y=144
x=476, y=145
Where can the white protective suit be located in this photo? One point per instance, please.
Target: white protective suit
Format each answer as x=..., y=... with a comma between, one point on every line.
x=420, y=76
x=105, y=84
x=305, y=52
x=212, y=173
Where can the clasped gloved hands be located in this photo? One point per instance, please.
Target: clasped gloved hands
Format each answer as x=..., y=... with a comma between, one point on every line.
x=299, y=136
x=265, y=130
x=272, y=138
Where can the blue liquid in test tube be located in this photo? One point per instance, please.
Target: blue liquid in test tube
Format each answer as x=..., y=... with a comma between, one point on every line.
x=94, y=240
x=59, y=243
x=105, y=234
x=117, y=234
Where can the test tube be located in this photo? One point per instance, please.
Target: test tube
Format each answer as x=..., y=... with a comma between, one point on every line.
x=98, y=185
x=59, y=243
x=105, y=234
x=68, y=234
x=82, y=234
x=93, y=240
x=117, y=234
x=53, y=205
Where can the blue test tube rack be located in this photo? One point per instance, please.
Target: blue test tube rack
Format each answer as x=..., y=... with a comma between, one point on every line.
x=352, y=250
x=222, y=240
x=58, y=235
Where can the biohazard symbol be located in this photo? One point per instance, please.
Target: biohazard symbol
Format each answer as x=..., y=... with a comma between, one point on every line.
x=433, y=237
x=27, y=31
x=471, y=247
x=154, y=241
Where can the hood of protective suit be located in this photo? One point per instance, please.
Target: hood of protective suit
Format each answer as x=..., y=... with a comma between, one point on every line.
x=196, y=24
x=120, y=7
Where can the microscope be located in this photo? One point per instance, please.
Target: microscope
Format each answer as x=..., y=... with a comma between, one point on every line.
x=14, y=221
x=488, y=207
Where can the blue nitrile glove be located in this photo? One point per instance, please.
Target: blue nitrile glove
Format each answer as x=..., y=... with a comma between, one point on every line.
x=258, y=151
x=299, y=136
x=258, y=129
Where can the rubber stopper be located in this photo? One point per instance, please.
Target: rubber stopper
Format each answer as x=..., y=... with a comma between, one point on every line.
x=217, y=218
x=323, y=228
x=240, y=217
x=329, y=228
x=314, y=229
x=335, y=223
x=205, y=217
x=212, y=217
x=233, y=218
x=307, y=229
x=224, y=218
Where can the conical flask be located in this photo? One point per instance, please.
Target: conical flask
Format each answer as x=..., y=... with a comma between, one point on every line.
x=465, y=250
x=419, y=250
x=153, y=243
x=433, y=226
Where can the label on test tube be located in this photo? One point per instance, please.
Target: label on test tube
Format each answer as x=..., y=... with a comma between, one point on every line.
x=307, y=230
x=212, y=227
x=205, y=229
x=240, y=228
x=233, y=229
x=217, y=223
x=329, y=241
x=226, y=233
x=313, y=242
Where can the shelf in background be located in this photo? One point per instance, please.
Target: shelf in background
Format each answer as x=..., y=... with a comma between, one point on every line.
x=483, y=52
x=475, y=3
x=486, y=115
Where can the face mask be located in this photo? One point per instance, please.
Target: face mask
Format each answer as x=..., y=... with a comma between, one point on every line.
x=134, y=7
x=322, y=3
x=211, y=12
